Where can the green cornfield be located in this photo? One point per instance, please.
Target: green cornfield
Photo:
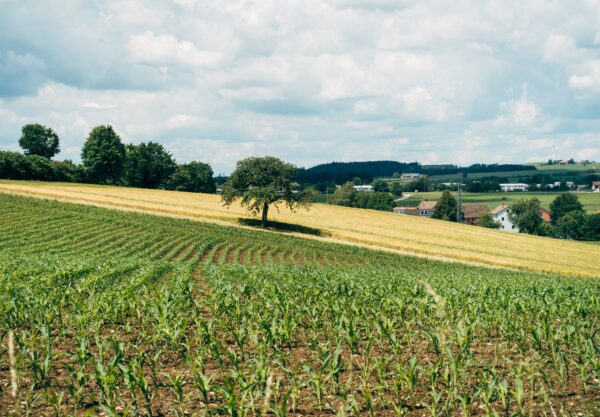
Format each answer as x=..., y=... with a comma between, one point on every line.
x=125, y=314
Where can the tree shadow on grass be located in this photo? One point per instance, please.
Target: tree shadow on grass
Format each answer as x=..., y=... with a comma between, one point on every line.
x=284, y=227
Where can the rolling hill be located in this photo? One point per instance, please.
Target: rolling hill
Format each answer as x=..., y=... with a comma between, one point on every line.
x=425, y=237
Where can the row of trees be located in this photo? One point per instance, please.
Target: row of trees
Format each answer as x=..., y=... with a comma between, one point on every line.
x=347, y=196
x=105, y=160
x=569, y=219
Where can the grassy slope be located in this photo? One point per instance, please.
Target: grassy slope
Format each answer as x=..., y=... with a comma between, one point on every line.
x=380, y=229
x=576, y=167
x=590, y=201
x=577, y=170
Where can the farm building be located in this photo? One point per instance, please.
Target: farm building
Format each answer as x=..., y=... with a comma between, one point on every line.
x=409, y=211
x=474, y=211
x=514, y=187
x=596, y=186
x=410, y=176
x=501, y=215
x=424, y=209
x=367, y=188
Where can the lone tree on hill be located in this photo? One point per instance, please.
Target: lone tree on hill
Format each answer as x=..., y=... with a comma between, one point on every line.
x=103, y=155
x=563, y=204
x=37, y=139
x=264, y=181
x=445, y=208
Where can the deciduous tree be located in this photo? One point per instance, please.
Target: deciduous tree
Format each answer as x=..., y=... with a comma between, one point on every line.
x=381, y=186
x=344, y=196
x=445, y=208
x=148, y=165
x=37, y=139
x=525, y=214
x=103, y=155
x=563, y=204
x=196, y=177
x=262, y=182
x=572, y=225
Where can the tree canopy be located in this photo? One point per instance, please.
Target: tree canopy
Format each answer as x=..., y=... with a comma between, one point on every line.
x=196, y=177
x=381, y=186
x=103, y=155
x=445, y=208
x=573, y=225
x=148, y=165
x=37, y=139
x=374, y=201
x=264, y=181
x=563, y=204
x=344, y=195
x=525, y=214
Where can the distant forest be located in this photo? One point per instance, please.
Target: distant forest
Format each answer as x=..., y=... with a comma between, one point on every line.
x=340, y=172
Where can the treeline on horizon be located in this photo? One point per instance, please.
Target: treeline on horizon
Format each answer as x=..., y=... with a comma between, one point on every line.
x=105, y=160
x=341, y=172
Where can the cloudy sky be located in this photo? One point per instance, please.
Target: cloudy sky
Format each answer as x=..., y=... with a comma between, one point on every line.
x=310, y=81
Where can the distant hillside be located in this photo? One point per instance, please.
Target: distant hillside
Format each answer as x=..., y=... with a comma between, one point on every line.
x=340, y=172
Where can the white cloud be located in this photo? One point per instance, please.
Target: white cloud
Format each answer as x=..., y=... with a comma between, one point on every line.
x=149, y=48
x=480, y=47
x=589, y=78
x=420, y=103
x=313, y=81
x=519, y=113
x=559, y=48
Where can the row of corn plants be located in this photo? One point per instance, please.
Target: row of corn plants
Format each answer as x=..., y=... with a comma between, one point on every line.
x=121, y=314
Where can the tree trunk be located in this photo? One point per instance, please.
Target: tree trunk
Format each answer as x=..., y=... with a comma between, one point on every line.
x=265, y=211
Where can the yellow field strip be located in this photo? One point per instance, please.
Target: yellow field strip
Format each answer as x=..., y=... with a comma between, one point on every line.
x=381, y=230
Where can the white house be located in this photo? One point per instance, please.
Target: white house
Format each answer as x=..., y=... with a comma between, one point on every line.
x=514, y=187
x=501, y=215
x=596, y=186
x=363, y=188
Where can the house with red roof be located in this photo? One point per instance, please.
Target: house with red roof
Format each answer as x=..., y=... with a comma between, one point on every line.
x=424, y=209
x=545, y=215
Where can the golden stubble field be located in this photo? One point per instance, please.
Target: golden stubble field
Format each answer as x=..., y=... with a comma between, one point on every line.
x=388, y=231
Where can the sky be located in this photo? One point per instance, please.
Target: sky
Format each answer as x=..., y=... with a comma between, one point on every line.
x=309, y=81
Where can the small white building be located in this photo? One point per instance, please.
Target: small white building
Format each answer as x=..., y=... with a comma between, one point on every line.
x=410, y=176
x=501, y=215
x=367, y=188
x=514, y=187
x=596, y=186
